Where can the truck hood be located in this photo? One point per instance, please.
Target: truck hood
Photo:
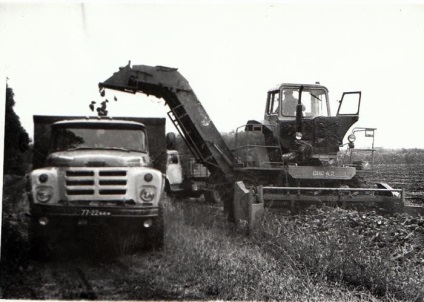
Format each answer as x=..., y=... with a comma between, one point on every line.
x=98, y=158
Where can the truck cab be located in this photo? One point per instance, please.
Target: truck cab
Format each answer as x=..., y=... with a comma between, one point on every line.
x=96, y=172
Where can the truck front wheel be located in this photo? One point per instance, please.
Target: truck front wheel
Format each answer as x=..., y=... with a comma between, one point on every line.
x=39, y=243
x=156, y=233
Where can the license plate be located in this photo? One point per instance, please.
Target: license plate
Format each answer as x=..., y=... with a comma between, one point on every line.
x=308, y=172
x=94, y=212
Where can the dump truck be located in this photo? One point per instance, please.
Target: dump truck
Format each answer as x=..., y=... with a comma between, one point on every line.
x=96, y=173
x=288, y=159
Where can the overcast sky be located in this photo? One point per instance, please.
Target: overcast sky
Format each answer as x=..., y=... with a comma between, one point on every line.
x=55, y=53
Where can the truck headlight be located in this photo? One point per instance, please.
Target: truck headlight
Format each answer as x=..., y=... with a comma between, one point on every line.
x=298, y=135
x=351, y=138
x=44, y=194
x=148, y=194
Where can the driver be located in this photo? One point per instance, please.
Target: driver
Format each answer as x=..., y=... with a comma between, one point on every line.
x=289, y=103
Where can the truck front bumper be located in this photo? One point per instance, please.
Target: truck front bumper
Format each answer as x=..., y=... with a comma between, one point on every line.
x=93, y=211
x=59, y=215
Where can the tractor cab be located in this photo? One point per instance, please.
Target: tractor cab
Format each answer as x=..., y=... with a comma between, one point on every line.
x=301, y=121
x=283, y=100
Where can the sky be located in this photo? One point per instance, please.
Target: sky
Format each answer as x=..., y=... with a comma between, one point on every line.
x=54, y=54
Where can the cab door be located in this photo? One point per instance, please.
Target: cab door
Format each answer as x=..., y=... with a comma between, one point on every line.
x=348, y=111
x=350, y=104
x=272, y=110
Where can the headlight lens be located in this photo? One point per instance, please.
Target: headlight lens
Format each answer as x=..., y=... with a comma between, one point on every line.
x=299, y=135
x=147, y=194
x=44, y=194
x=351, y=138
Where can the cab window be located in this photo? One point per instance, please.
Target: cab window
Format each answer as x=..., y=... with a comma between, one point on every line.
x=273, y=102
x=314, y=102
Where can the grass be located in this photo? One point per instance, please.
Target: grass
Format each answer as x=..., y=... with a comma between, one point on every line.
x=361, y=251
x=288, y=259
x=329, y=255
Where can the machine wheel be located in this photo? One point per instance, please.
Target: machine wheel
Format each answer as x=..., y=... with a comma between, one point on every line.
x=227, y=199
x=196, y=194
x=212, y=196
x=358, y=182
x=170, y=141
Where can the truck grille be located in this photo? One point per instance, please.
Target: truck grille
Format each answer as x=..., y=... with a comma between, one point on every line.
x=95, y=184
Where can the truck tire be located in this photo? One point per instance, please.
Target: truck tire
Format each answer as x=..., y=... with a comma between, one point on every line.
x=155, y=235
x=39, y=245
x=170, y=141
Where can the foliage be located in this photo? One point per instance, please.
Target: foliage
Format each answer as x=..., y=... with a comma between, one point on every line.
x=289, y=259
x=383, y=255
x=16, y=140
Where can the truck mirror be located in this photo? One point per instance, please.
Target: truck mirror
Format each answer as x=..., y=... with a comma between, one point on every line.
x=170, y=141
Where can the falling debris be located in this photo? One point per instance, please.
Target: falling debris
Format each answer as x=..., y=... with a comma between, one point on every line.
x=101, y=111
x=92, y=105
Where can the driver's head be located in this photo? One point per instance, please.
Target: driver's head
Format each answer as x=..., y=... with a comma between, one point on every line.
x=288, y=92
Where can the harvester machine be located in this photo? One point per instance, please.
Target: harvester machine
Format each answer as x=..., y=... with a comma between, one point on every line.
x=291, y=159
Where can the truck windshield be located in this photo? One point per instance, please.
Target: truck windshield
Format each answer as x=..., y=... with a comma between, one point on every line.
x=314, y=102
x=64, y=138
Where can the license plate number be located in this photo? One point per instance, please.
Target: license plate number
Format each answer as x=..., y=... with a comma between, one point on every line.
x=93, y=212
x=323, y=173
x=303, y=172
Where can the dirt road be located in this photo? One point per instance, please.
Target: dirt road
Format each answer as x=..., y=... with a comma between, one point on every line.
x=82, y=278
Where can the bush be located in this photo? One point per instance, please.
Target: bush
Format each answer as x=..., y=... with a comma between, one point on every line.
x=16, y=140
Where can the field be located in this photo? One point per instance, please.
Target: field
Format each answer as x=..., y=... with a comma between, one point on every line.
x=407, y=176
x=327, y=255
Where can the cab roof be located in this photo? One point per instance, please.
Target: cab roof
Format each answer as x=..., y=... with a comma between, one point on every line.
x=99, y=121
x=297, y=86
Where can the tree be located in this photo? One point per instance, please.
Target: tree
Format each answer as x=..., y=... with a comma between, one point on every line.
x=16, y=139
